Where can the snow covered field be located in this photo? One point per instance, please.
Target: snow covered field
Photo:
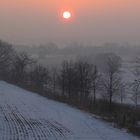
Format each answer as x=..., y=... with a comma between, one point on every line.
x=28, y=116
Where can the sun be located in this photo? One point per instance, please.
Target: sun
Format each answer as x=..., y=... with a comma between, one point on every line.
x=66, y=15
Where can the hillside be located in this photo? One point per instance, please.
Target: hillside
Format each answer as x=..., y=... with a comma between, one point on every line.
x=28, y=116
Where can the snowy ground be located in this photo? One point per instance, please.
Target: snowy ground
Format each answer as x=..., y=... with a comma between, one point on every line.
x=27, y=116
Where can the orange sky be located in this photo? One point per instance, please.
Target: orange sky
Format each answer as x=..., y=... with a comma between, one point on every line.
x=39, y=21
x=78, y=5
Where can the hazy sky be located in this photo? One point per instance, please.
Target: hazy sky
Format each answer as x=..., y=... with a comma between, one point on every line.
x=93, y=21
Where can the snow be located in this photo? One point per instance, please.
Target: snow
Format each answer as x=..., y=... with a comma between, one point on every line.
x=27, y=116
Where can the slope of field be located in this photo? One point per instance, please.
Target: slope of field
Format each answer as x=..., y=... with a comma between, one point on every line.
x=27, y=116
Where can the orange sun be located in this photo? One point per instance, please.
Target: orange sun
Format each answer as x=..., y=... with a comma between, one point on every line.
x=66, y=15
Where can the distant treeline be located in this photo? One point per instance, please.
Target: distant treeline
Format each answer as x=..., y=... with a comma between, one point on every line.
x=80, y=83
x=80, y=49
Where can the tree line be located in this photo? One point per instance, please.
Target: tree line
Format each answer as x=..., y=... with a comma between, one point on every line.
x=101, y=90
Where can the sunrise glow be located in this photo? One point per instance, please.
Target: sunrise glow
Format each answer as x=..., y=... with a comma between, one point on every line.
x=66, y=15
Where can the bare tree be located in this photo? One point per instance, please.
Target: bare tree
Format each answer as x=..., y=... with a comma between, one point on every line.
x=122, y=92
x=70, y=77
x=20, y=65
x=62, y=78
x=135, y=85
x=72, y=81
x=95, y=81
x=136, y=92
x=6, y=55
x=84, y=75
x=68, y=80
x=54, y=76
x=75, y=80
x=111, y=79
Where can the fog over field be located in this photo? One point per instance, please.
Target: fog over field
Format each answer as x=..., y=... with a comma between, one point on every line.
x=53, y=54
